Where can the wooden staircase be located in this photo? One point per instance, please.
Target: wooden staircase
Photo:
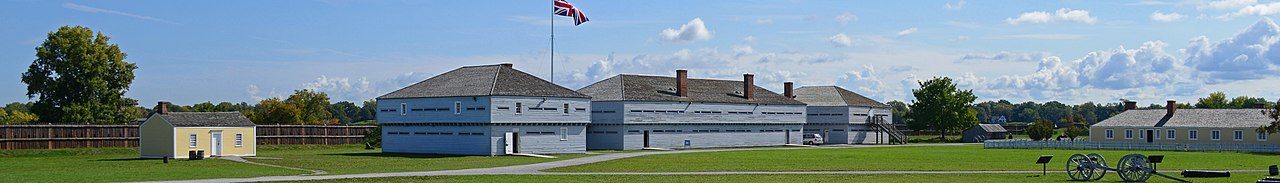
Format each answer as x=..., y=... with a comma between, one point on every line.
x=882, y=126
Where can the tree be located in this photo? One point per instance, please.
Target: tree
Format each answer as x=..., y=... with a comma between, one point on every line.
x=373, y=137
x=313, y=105
x=20, y=107
x=899, y=112
x=368, y=111
x=942, y=107
x=1040, y=129
x=1216, y=100
x=345, y=112
x=78, y=77
x=1073, y=130
x=275, y=111
x=1244, y=102
x=207, y=107
x=1274, y=113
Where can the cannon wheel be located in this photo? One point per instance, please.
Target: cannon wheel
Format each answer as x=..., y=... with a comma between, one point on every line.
x=1098, y=171
x=1133, y=168
x=1076, y=167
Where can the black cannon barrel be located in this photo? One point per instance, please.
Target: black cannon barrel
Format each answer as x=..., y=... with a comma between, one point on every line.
x=1205, y=173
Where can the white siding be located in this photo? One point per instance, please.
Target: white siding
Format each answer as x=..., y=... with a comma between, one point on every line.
x=433, y=116
x=536, y=116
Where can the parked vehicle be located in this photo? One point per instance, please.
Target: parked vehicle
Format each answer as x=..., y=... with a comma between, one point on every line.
x=813, y=139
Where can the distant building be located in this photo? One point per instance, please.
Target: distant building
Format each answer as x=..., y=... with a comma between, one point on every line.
x=484, y=110
x=844, y=117
x=1183, y=126
x=176, y=134
x=998, y=120
x=636, y=111
x=984, y=132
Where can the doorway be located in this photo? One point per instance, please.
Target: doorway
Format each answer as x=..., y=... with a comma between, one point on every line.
x=788, y=135
x=216, y=149
x=1150, y=133
x=646, y=139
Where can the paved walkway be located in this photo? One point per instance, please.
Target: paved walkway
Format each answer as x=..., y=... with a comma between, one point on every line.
x=535, y=169
x=240, y=159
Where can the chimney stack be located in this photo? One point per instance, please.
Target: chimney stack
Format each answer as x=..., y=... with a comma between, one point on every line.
x=163, y=107
x=682, y=82
x=787, y=90
x=1260, y=105
x=1171, y=107
x=506, y=65
x=749, y=86
x=1130, y=105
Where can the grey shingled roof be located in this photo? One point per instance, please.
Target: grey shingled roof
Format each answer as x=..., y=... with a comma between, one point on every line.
x=833, y=96
x=627, y=87
x=1224, y=118
x=991, y=128
x=205, y=119
x=485, y=80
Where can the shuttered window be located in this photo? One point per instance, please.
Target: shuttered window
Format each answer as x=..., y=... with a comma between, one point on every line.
x=192, y=140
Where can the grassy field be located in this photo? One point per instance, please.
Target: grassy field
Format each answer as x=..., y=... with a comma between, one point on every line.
x=115, y=165
x=886, y=178
x=353, y=159
x=962, y=157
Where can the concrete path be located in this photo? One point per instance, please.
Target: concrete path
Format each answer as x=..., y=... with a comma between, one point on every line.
x=242, y=160
x=535, y=169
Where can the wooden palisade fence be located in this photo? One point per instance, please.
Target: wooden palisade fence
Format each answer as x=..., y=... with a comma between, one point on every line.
x=92, y=136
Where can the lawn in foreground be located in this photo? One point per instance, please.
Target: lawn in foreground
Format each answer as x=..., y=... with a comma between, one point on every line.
x=922, y=158
x=117, y=165
x=354, y=159
x=883, y=178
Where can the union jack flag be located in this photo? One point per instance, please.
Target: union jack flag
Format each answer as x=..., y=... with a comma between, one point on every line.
x=563, y=8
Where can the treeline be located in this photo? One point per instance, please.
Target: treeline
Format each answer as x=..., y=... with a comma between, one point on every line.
x=17, y=113
x=1086, y=113
x=302, y=107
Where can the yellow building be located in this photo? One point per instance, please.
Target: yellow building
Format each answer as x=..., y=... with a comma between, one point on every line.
x=175, y=134
x=1184, y=126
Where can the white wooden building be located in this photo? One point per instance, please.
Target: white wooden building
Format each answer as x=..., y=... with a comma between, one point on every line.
x=484, y=110
x=844, y=117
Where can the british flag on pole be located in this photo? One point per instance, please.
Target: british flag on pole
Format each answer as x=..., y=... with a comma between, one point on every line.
x=563, y=8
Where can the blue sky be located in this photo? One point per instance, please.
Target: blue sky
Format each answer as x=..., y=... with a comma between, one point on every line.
x=1070, y=51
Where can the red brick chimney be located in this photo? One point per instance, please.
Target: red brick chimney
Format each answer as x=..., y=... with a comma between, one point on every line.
x=1171, y=107
x=163, y=107
x=1130, y=105
x=506, y=65
x=1259, y=105
x=787, y=88
x=682, y=82
x=749, y=86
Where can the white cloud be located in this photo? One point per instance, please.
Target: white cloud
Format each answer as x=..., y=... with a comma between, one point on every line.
x=957, y=6
x=1257, y=10
x=840, y=40
x=749, y=39
x=961, y=38
x=1062, y=15
x=1250, y=54
x=1166, y=17
x=693, y=31
x=349, y=89
x=764, y=21
x=907, y=31
x=845, y=18
x=89, y=9
x=867, y=82
x=1228, y=4
x=1004, y=56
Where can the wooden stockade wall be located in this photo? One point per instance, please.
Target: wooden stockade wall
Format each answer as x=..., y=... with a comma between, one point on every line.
x=92, y=136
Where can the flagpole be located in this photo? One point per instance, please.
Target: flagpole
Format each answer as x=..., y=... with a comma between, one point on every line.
x=553, y=44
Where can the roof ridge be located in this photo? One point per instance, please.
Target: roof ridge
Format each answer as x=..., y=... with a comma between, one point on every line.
x=494, y=85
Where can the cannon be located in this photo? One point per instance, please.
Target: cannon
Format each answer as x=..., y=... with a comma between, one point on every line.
x=1131, y=168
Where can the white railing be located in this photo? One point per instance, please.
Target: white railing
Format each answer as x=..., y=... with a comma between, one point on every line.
x=1085, y=144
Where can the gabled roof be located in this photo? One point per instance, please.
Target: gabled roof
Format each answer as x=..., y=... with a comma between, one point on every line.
x=1223, y=118
x=626, y=87
x=484, y=80
x=991, y=128
x=205, y=119
x=833, y=96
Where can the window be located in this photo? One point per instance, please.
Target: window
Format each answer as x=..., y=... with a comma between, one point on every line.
x=239, y=139
x=519, y=108
x=1109, y=134
x=404, y=108
x=1193, y=135
x=566, y=108
x=1262, y=136
x=1215, y=135
x=1238, y=135
x=1128, y=134
x=1156, y=133
x=564, y=132
x=457, y=107
x=192, y=140
x=1171, y=135
x=1142, y=134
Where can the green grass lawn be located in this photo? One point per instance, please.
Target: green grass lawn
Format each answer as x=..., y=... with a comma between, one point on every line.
x=961, y=157
x=885, y=178
x=353, y=159
x=116, y=165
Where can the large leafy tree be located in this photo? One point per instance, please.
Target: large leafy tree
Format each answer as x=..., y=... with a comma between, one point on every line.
x=276, y=111
x=1040, y=129
x=1216, y=100
x=314, y=105
x=1274, y=113
x=899, y=111
x=346, y=112
x=78, y=76
x=942, y=107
